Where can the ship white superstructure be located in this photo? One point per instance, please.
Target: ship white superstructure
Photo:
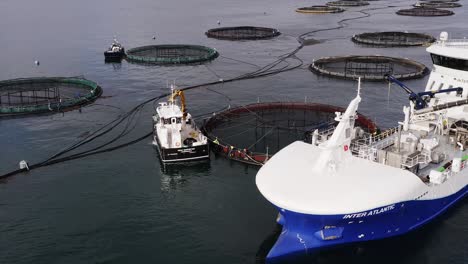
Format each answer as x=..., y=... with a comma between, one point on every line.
x=349, y=187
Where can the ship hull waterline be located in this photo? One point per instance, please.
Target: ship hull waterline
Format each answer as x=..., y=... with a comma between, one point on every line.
x=304, y=234
x=184, y=154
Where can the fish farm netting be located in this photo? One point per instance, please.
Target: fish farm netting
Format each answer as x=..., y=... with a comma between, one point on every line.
x=242, y=33
x=437, y=4
x=347, y=3
x=424, y=11
x=171, y=54
x=392, y=39
x=252, y=133
x=369, y=68
x=319, y=9
x=45, y=95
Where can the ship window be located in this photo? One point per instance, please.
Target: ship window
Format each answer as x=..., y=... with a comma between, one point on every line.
x=348, y=132
x=440, y=86
x=432, y=85
x=178, y=120
x=457, y=64
x=167, y=121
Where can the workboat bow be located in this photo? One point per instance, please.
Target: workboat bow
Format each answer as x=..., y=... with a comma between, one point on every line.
x=176, y=136
x=347, y=187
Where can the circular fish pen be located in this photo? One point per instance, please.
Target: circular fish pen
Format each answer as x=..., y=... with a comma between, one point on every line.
x=242, y=33
x=45, y=95
x=253, y=133
x=171, y=54
x=393, y=39
x=319, y=9
x=424, y=12
x=348, y=3
x=437, y=4
x=369, y=68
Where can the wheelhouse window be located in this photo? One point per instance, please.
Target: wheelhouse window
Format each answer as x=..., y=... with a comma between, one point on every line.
x=457, y=64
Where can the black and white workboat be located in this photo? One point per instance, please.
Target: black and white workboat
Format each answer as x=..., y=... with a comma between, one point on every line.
x=176, y=135
x=115, y=52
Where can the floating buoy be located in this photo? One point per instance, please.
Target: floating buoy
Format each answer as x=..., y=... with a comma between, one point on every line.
x=37, y=62
x=23, y=165
x=219, y=22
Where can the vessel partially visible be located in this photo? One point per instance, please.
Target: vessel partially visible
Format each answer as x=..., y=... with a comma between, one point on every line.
x=175, y=133
x=116, y=52
x=349, y=187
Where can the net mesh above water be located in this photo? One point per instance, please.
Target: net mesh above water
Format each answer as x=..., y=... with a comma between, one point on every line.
x=171, y=54
x=33, y=95
x=268, y=127
x=393, y=38
x=373, y=68
x=240, y=33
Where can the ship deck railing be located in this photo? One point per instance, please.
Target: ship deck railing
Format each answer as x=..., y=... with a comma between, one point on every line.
x=367, y=147
x=369, y=152
x=422, y=158
x=454, y=42
x=326, y=133
x=448, y=171
x=375, y=139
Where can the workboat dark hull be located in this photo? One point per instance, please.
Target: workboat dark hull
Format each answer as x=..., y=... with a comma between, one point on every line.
x=183, y=154
x=113, y=56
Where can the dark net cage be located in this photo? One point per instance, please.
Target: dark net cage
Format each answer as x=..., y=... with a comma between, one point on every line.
x=424, y=11
x=171, y=54
x=45, y=95
x=348, y=3
x=253, y=133
x=437, y=4
x=368, y=68
x=319, y=9
x=242, y=33
x=393, y=38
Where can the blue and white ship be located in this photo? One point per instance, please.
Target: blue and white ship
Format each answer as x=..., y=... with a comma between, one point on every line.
x=347, y=187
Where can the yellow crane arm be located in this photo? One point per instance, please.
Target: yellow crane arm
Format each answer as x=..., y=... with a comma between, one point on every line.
x=180, y=94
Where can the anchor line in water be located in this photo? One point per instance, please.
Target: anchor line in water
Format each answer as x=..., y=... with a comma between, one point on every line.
x=110, y=126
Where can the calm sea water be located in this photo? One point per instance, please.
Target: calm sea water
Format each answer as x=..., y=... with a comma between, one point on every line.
x=121, y=207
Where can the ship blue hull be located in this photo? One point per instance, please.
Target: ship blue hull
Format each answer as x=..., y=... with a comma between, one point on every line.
x=304, y=234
